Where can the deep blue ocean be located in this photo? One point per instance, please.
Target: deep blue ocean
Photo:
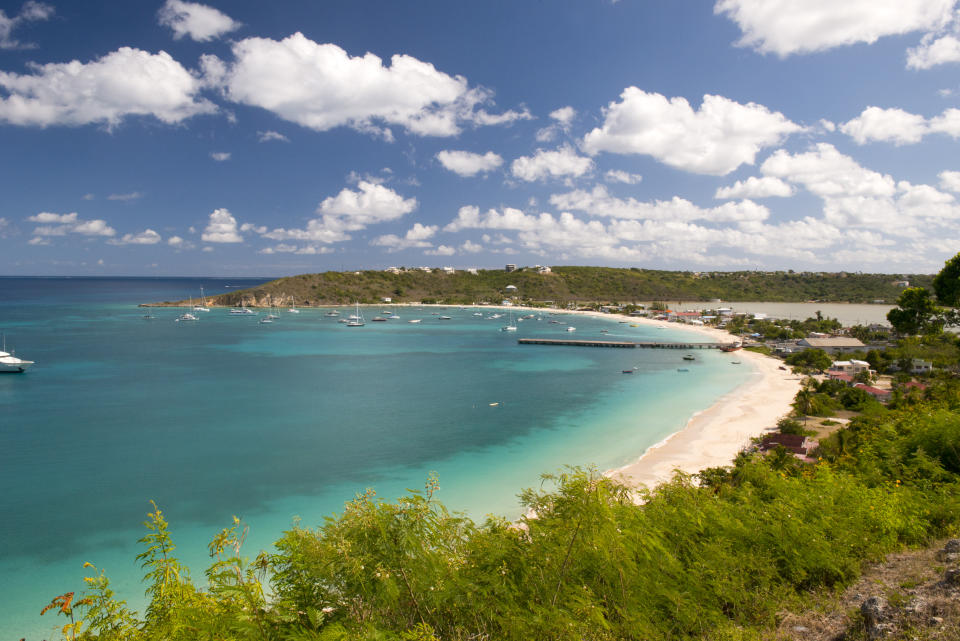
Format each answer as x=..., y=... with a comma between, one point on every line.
x=227, y=416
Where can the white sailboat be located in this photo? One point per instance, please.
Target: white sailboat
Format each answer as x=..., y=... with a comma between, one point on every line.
x=510, y=326
x=293, y=306
x=242, y=310
x=186, y=316
x=202, y=307
x=9, y=363
x=356, y=320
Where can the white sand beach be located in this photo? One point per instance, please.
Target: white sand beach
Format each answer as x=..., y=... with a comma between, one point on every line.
x=714, y=436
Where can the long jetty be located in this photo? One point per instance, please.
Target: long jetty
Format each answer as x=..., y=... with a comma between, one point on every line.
x=576, y=342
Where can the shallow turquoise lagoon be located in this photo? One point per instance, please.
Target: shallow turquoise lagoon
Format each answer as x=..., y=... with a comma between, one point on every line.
x=271, y=422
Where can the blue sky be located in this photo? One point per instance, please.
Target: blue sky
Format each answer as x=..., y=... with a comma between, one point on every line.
x=241, y=138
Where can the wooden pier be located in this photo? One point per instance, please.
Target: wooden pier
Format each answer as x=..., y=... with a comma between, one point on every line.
x=576, y=342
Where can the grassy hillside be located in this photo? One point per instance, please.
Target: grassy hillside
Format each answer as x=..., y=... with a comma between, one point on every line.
x=571, y=284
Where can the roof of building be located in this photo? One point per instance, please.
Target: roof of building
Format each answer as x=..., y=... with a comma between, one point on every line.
x=833, y=341
x=793, y=442
x=873, y=391
x=840, y=376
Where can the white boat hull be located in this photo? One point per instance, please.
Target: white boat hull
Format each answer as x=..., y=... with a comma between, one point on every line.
x=14, y=365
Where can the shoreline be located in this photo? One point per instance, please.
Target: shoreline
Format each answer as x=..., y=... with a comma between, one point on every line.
x=711, y=437
x=714, y=436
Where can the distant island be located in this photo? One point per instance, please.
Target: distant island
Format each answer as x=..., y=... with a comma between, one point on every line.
x=561, y=286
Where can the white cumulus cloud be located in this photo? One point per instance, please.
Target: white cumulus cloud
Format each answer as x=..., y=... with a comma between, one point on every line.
x=146, y=237
x=267, y=136
x=933, y=51
x=754, y=187
x=321, y=86
x=950, y=180
x=51, y=224
x=558, y=163
x=466, y=163
x=126, y=82
x=416, y=236
x=441, y=250
x=598, y=202
x=620, y=176
x=220, y=156
x=222, y=228
x=887, y=125
x=31, y=11
x=200, y=22
x=349, y=211
x=856, y=197
x=716, y=139
x=785, y=27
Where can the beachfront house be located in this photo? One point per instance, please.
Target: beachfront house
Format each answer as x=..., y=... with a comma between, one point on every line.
x=685, y=317
x=882, y=395
x=852, y=367
x=833, y=344
x=799, y=446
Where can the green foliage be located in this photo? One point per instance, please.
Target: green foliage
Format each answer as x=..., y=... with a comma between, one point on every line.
x=574, y=284
x=787, y=425
x=946, y=284
x=811, y=359
x=916, y=313
x=712, y=559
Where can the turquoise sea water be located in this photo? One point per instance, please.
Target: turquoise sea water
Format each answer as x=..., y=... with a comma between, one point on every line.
x=271, y=422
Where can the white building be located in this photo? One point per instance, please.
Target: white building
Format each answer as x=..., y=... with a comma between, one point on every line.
x=852, y=367
x=832, y=345
x=920, y=366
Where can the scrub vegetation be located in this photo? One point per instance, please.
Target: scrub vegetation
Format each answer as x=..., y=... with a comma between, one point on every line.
x=572, y=285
